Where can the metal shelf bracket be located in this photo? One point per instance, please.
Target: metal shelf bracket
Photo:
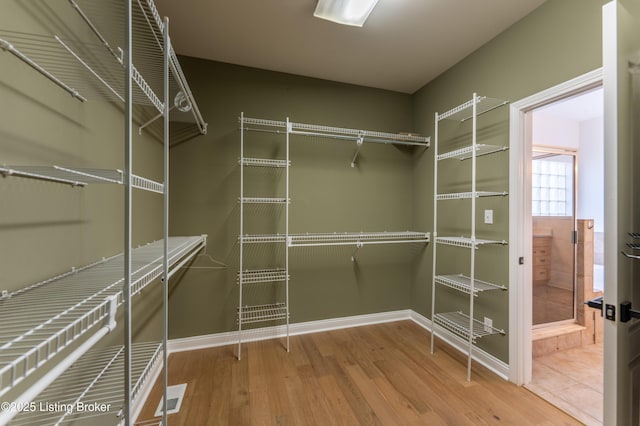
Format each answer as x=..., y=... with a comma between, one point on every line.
x=359, y=143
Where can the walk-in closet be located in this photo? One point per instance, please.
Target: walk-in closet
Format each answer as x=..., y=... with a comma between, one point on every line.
x=262, y=212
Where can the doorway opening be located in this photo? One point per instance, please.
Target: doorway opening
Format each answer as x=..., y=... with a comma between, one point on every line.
x=554, y=230
x=567, y=229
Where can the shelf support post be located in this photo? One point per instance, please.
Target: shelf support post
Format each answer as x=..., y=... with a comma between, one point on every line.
x=286, y=230
x=165, y=226
x=127, y=211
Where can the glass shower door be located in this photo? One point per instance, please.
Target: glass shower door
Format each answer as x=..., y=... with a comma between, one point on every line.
x=554, y=236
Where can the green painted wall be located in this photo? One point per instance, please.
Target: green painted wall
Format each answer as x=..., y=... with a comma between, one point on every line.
x=47, y=228
x=327, y=195
x=560, y=40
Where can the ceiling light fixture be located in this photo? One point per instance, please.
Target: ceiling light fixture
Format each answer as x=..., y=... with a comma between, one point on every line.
x=346, y=12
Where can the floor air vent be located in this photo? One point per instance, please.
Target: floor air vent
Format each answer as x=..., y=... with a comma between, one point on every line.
x=175, y=394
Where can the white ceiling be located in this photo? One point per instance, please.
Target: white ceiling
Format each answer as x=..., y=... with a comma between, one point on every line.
x=403, y=45
x=585, y=106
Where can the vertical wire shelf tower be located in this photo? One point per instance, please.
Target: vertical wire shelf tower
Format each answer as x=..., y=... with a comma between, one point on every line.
x=463, y=325
x=277, y=310
x=83, y=303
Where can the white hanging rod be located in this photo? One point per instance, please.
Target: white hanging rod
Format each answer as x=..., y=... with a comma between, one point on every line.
x=79, y=177
x=346, y=237
x=9, y=47
x=464, y=112
x=48, y=317
x=342, y=133
x=359, y=239
x=95, y=30
x=88, y=68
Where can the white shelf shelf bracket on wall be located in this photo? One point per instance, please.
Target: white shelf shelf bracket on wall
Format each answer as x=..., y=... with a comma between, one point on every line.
x=94, y=67
x=94, y=381
x=340, y=133
x=56, y=312
x=50, y=326
x=8, y=47
x=79, y=176
x=463, y=325
x=358, y=239
x=279, y=310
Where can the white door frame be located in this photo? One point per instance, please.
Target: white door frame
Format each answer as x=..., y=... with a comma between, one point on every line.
x=520, y=238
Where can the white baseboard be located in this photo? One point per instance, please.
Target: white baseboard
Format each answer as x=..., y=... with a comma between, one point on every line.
x=497, y=366
x=229, y=338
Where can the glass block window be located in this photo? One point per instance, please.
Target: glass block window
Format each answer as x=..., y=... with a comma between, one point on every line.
x=552, y=187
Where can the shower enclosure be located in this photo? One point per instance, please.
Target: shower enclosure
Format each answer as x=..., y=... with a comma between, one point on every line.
x=553, y=181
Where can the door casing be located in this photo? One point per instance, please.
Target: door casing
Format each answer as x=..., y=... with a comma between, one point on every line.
x=520, y=223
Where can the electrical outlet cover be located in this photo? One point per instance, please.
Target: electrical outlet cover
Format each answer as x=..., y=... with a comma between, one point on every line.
x=488, y=325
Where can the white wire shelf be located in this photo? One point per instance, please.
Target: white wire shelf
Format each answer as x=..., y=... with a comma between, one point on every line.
x=263, y=275
x=458, y=323
x=263, y=162
x=467, y=152
x=91, y=68
x=357, y=238
x=341, y=132
x=44, y=318
x=466, y=195
x=263, y=200
x=79, y=176
x=261, y=313
x=467, y=242
x=262, y=238
x=465, y=111
x=94, y=381
x=462, y=283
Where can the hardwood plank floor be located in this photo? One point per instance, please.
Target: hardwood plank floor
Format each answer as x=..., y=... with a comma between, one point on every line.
x=373, y=375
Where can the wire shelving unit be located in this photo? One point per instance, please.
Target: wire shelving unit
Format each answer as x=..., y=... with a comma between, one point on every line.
x=122, y=53
x=93, y=69
x=46, y=317
x=357, y=238
x=278, y=275
x=461, y=324
x=342, y=133
x=80, y=177
x=92, y=387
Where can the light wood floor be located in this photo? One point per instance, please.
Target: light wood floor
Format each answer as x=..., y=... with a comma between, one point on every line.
x=373, y=375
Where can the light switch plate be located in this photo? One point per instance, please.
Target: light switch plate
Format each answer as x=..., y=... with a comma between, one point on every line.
x=488, y=217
